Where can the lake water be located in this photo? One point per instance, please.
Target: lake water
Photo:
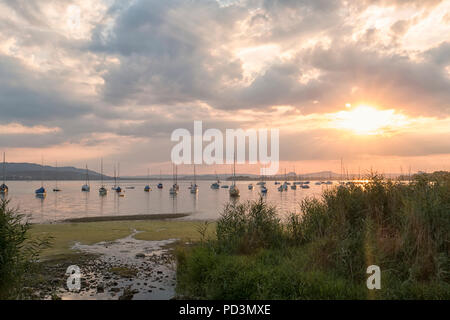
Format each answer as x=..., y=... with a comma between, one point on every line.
x=206, y=205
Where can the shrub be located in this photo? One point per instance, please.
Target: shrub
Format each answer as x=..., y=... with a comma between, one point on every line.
x=18, y=253
x=246, y=227
x=324, y=252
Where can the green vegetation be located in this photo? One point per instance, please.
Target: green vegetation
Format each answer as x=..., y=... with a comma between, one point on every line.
x=18, y=251
x=324, y=252
x=124, y=272
x=66, y=234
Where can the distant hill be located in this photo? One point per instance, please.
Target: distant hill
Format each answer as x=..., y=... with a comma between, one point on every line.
x=32, y=171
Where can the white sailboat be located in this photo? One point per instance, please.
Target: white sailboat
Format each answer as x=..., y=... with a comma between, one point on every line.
x=102, y=191
x=194, y=187
x=86, y=187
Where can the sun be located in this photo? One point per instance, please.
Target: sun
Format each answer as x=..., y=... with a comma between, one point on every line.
x=367, y=120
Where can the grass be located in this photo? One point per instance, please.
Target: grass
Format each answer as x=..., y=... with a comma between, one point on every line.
x=66, y=234
x=324, y=252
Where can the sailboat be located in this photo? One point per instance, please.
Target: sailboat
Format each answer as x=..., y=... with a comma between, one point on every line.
x=56, y=189
x=41, y=192
x=115, y=179
x=234, y=191
x=160, y=185
x=118, y=188
x=147, y=187
x=102, y=191
x=4, y=188
x=263, y=186
x=294, y=185
x=262, y=182
x=282, y=188
x=174, y=189
x=216, y=185
x=285, y=184
x=194, y=187
x=86, y=187
x=263, y=189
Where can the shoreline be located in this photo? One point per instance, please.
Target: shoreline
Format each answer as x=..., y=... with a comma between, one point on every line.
x=135, y=217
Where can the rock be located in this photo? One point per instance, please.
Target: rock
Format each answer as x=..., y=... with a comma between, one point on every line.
x=128, y=294
x=100, y=288
x=114, y=289
x=55, y=297
x=140, y=255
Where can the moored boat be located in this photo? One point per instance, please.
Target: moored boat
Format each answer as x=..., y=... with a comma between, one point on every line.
x=147, y=188
x=102, y=190
x=4, y=188
x=86, y=187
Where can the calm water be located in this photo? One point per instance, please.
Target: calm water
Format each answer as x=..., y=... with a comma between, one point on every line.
x=207, y=204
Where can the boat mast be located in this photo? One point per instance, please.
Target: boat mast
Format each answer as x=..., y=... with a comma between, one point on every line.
x=195, y=177
x=234, y=169
x=42, y=173
x=87, y=175
x=118, y=172
x=56, y=175
x=4, y=165
x=101, y=171
x=115, y=177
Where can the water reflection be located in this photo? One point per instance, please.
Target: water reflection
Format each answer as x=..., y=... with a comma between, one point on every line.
x=206, y=204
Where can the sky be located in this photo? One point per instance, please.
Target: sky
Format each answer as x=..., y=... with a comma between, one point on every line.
x=364, y=81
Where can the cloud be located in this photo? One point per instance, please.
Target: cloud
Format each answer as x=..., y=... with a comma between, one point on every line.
x=440, y=55
x=137, y=70
x=33, y=98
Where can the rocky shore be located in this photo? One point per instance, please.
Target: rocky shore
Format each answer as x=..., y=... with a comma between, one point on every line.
x=123, y=269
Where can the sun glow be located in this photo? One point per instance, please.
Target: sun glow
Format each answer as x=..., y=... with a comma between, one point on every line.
x=367, y=120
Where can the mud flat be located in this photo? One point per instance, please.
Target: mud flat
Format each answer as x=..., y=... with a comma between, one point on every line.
x=117, y=260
